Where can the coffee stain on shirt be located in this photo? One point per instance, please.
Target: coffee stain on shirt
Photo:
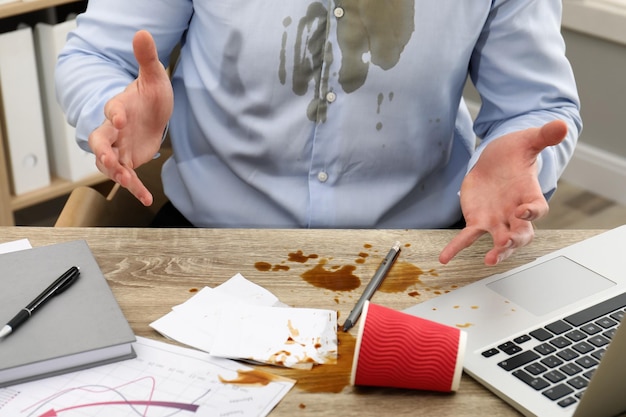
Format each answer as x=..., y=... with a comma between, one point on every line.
x=375, y=29
x=369, y=32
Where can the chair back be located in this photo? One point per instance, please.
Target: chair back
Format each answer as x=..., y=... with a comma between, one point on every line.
x=87, y=207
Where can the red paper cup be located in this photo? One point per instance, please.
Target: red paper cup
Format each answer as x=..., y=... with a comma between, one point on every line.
x=395, y=349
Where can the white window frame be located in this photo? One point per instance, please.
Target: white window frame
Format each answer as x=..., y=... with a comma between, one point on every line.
x=602, y=18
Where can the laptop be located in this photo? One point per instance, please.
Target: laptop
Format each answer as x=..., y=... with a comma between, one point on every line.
x=546, y=336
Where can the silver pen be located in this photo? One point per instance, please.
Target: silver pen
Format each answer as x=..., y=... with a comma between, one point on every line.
x=373, y=285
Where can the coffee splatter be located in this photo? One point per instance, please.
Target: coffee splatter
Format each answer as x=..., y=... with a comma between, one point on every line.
x=401, y=276
x=300, y=257
x=251, y=377
x=339, y=279
x=362, y=257
x=263, y=266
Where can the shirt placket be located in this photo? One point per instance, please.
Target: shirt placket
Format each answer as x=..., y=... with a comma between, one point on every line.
x=324, y=171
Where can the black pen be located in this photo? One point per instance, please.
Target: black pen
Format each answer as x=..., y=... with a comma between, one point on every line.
x=57, y=287
x=373, y=285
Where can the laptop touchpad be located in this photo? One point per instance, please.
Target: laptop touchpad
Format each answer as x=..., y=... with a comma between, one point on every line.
x=550, y=285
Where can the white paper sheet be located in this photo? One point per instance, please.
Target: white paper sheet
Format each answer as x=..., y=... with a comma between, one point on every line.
x=241, y=320
x=15, y=246
x=163, y=380
x=291, y=337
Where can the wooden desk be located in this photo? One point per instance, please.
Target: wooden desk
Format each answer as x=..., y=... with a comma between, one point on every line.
x=150, y=270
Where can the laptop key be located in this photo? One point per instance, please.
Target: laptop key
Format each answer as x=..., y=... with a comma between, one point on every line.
x=541, y=334
x=554, y=376
x=516, y=361
x=545, y=349
x=558, y=391
x=586, y=362
x=598, y=341
x=578, y=382
x=567, y=354
x=536, y=368
x=510, y=348
x=606, y=322
x=575, y=335
x=491, y=352
x=522, y=339
x=610, y=333
x=589, y=373
x=583, y=347
x=597, y=310
x=598, y=354
x=618, y=315
x=571, y=369
x=560, y=342
x=531, y=381
x=591, y=328
x=558, y=327
x=551, y=361
x=566, y=402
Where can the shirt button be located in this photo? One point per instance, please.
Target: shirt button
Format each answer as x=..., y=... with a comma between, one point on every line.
x=330, y=97
x=322, y=176
x=338, y=12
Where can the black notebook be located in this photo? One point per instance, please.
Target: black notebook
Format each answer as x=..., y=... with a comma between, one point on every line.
x=79, y=328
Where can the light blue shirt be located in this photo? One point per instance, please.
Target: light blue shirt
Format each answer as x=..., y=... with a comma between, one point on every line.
x=345, y=113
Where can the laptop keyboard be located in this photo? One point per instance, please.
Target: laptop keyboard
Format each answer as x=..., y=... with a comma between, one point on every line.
x=559, y=359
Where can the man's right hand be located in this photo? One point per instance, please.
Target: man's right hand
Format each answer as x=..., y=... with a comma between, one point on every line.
x=135, y=121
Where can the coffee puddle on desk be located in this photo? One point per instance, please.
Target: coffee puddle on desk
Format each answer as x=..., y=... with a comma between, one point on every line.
x=326, y=378
x=251, y=377
x=342, y=278
x=401, y=277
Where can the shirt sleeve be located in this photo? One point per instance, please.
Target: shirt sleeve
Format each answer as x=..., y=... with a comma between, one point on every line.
x=520, y=70
x=97, y=61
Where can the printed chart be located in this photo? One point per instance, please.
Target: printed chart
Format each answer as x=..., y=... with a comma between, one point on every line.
x=164, y=380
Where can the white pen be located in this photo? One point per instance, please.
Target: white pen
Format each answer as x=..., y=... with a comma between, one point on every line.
x=373, y=285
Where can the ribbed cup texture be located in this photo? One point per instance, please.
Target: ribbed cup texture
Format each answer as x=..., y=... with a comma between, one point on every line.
x=403, y=351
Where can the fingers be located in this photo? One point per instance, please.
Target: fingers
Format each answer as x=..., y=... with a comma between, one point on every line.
x=505, y=242
x=550, y=134
x=147, y=56
x=508, y=242
x=125, y=176
x=463, y=240
x=137, y=188
x=532, y=211
x=115, y=112
x=109, y=163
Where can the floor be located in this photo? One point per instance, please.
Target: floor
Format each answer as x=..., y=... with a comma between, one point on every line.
x=575, y=208
x=570, y=208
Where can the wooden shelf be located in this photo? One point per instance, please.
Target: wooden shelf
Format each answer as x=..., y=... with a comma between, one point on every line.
x=21, y=7
x=58, y=187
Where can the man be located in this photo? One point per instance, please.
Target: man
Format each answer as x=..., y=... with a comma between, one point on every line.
x=331, y=114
